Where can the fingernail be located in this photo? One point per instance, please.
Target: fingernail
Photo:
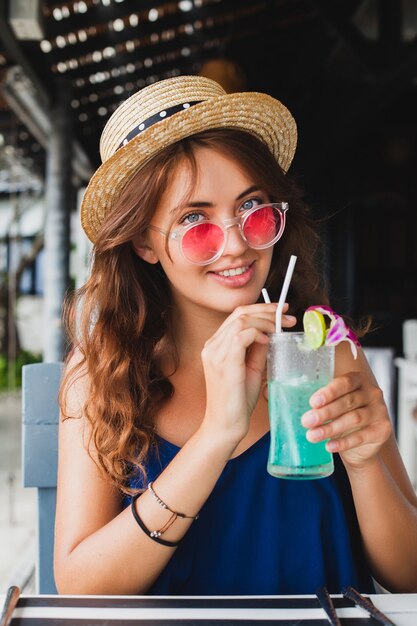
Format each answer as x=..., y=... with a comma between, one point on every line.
x=290, y=318
x=309, y=419
x=331, y=446
x=317, y=400
x=315, y=435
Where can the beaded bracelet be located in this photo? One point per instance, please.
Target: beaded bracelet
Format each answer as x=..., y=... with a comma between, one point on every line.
x=154, y=534
x=165, y=506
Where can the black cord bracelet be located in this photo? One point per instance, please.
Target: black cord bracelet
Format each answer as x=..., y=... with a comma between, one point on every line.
x=151, y=534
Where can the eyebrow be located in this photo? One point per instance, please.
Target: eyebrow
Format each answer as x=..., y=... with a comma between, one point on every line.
x=199, y=204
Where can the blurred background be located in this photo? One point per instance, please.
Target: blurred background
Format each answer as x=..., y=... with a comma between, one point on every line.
x=347, y=70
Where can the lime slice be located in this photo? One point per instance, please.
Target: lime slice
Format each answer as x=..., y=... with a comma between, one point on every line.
x=314, y=329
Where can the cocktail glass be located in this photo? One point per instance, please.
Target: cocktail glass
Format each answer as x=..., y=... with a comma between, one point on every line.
x=294, y=374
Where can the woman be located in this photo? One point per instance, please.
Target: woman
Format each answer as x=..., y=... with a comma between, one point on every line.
x=162, y=484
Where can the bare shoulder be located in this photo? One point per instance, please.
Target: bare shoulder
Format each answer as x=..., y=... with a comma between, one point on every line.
x=86, y=499
x=75, y=386
x=74, y=427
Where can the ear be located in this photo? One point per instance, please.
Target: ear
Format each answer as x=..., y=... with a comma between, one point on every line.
x=141, y=246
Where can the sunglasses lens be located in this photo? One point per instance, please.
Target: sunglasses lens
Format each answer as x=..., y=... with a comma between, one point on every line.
x=263, y=226
x=202, y=243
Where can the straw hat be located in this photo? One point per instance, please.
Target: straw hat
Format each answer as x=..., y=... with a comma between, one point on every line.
x=168, y=111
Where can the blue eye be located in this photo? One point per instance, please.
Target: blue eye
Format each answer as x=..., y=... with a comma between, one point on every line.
x=190, y=218
x=251, y=203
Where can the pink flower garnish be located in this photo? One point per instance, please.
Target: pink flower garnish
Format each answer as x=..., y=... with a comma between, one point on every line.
x=338, y=330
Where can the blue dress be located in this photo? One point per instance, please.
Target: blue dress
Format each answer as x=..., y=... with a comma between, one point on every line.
x=257, y=534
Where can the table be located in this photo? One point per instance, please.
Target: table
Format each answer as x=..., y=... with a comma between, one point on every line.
x=202, y=611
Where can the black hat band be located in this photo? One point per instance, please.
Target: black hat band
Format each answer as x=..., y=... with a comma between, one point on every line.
x=154, y=119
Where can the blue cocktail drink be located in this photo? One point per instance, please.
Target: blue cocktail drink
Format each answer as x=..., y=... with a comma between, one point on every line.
x=294, y=374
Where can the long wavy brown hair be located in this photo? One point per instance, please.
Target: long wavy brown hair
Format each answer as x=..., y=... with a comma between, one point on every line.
x=119, y=319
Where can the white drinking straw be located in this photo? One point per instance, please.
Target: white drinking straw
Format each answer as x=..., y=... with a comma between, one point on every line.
x=266, y=296
x=284, y=292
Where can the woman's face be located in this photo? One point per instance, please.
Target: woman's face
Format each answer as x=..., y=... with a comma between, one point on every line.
x=222, y=191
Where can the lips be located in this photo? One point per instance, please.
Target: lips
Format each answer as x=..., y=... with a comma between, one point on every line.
x=233, y=271
x=237, y=271
x=234, y=276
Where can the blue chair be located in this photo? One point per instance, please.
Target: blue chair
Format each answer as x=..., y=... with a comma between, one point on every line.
x=40, y=412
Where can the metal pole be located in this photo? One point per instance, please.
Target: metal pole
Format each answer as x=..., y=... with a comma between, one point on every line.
x=57, y=229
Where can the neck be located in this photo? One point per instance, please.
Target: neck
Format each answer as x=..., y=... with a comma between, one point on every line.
x=192, y=328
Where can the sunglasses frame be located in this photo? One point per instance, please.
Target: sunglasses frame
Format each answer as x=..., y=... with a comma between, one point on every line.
x=224, y=225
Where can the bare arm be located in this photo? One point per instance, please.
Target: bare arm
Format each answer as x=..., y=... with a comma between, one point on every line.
x=387, y=517
x=99, y=548
x=385, y=501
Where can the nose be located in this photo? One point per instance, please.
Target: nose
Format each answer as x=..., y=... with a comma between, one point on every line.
x=235, y=244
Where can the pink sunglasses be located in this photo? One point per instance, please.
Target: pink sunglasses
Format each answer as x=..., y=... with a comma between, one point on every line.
x=205, y=241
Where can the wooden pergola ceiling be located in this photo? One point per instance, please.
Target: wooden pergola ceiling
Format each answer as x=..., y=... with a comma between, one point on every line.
x=107, y=49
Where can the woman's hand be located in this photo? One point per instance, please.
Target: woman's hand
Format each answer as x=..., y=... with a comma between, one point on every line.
x=234, y=363
x=351, y=412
